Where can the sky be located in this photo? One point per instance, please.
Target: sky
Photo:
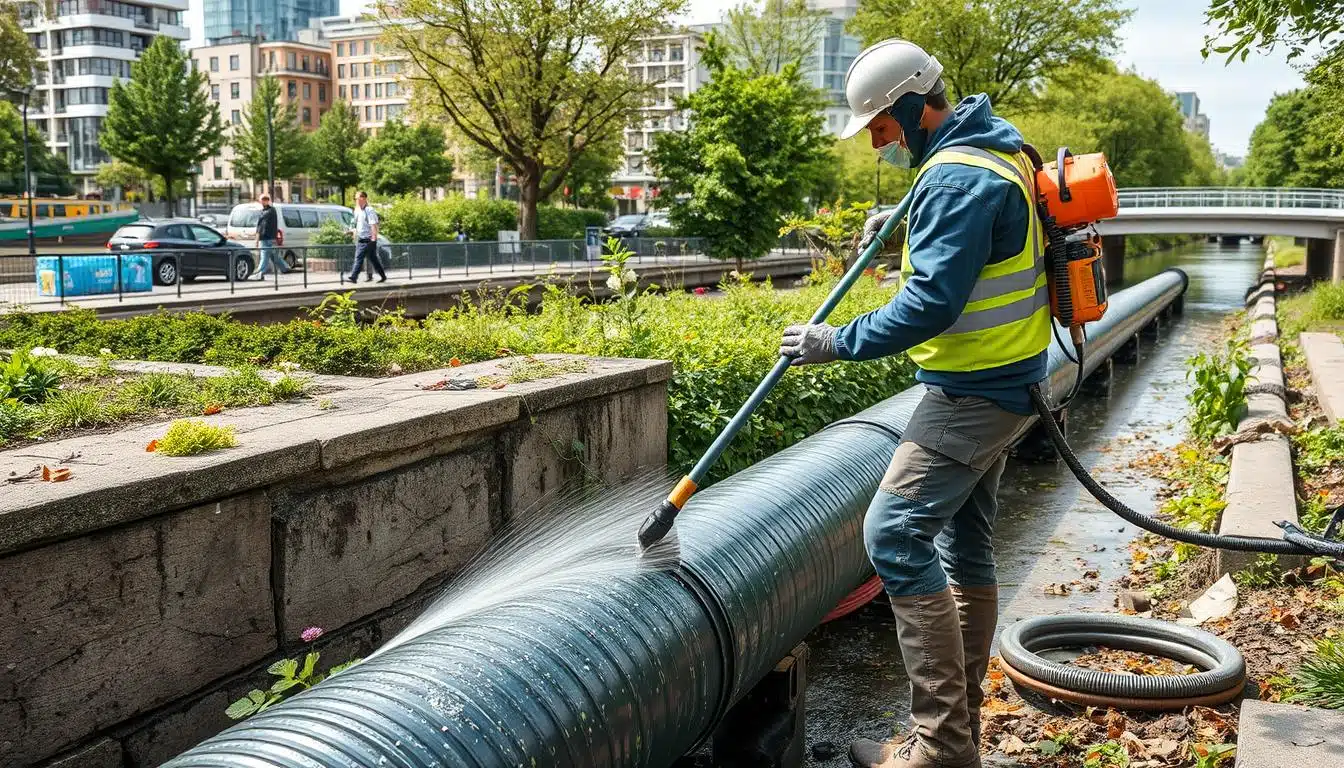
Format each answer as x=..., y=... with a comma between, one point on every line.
x=1161, y=41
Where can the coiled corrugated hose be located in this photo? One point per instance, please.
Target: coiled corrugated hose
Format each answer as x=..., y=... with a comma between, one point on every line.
x=636, y=670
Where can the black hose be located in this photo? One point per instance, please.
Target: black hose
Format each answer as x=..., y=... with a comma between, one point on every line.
x=1222, y=665
x=1296, y=541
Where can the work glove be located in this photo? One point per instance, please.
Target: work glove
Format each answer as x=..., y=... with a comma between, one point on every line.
x=871, y=226
x=809, y=344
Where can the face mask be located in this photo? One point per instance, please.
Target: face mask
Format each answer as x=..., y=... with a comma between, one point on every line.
x=895, y=154
x=907, y=110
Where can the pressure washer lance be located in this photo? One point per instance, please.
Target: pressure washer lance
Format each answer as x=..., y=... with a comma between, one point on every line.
x=659, y=522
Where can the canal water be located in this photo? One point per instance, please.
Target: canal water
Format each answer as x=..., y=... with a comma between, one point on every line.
x=1049, y=531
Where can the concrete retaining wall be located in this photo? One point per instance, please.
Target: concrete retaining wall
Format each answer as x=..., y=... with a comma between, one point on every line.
x=142, y=596
x=1260, y=479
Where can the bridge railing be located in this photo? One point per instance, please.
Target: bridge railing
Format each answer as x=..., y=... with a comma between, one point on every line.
x=1231, y=197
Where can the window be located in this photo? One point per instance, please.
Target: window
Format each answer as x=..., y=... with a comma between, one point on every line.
x=236, y=117
x=219, y=172
x=378, y=90
x=368, y=113
x=203, y=234
x=292, y=218
x=293, y=89
x=307, y=116
x=234, y=63
x=289, y=59
x=270, y=57
x=214, y=92
x=378, y=112
x=233, y=90
x=377, y=69
x=343, y=93
x=307, y=91
x=393, y=89
x=58, y=211
x=214, y=63
x=304, y=67
x=340, y=71
x=366, y=48
x=322, y=92
x=366, y=69
x=354, y=89
x=309, y=217
x=395, y=110
x=340, y=51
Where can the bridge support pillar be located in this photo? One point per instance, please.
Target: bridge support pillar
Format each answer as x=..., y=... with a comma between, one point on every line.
x=1337, y=274
x=1320, y=258
x=1113, y=258
x=1231, y=239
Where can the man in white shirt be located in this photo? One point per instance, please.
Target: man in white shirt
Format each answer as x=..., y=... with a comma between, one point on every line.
x=366, y=239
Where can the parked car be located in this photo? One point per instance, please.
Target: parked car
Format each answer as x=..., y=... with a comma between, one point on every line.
x=185, y=249
x=298, y=223
x=636, y=224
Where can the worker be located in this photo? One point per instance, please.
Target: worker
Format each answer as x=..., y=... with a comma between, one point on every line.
x=972, y=313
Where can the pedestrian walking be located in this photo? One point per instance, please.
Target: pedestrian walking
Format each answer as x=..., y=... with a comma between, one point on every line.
x=268, y=231
x=366, y=239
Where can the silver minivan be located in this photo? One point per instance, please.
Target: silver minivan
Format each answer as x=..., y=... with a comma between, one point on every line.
x=298, y=222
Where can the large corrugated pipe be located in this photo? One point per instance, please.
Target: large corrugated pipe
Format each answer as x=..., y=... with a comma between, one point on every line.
x=638, y=669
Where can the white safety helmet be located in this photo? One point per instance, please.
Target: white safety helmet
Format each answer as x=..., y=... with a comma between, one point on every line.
x=883, y=73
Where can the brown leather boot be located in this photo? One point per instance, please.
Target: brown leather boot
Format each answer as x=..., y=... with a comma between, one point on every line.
x=928, y=629
x=978, y=608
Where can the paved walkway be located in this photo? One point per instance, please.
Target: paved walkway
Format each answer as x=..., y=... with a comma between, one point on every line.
x=298, y=284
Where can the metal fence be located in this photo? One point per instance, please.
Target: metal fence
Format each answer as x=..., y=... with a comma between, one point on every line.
x=1231, y=197
x=150, y=274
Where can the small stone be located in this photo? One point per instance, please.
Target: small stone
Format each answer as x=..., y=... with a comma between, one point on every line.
x=824, y=750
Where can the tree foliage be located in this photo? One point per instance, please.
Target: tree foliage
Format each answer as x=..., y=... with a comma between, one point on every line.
x=861, y=171
x=1244, y=25
x=405, y=158
x=765, y=40
x=17, y=55
x=746, y=158
x=1008, y=49
x=335, y=148
x=50, y=169
x=292, y=148
x=162, y=120
x=589, y=179
x=534, y=82
x=1300, y=142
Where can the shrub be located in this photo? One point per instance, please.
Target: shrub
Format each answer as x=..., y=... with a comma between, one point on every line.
x=566, y=223
x=16, y=419
x=188, y=437
x=1218, y=398
x=331, y=232
x=1321, y=308
x=239, y=388
x=26, y=379
x=480, y=219
x=412, y=220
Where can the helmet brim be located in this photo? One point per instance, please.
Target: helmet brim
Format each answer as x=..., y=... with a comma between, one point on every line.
x=858, y=123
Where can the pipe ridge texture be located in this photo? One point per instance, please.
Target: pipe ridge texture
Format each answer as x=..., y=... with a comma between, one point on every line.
x=1018, y=645
x=638, y=669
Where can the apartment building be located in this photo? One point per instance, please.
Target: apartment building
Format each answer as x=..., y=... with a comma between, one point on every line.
x=84, y=46
x=234, y=66
x=1195, y=121
x=273, y=20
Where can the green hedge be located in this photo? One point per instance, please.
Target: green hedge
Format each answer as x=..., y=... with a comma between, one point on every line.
x=412, y=220
x=720, y=347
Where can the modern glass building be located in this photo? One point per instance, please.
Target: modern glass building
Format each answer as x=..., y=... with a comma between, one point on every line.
x=270, y=20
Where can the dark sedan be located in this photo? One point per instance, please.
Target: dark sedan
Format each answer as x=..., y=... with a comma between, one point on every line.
x=185, y=249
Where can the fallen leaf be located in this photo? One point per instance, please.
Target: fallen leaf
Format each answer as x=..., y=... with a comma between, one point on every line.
x=46, y=473
x=152, y=447
x=454, y=362
x=58, y=475
x=1162, y=749
x=499, y=385
x=1047, y=747
x=1115, y=724
x=1011, y=745
x=1133, y=745
x=213, y=408
x=1057, y=589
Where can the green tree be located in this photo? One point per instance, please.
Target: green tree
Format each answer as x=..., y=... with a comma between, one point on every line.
x=51, y=171
x=162, y=121
x=17, y=55
x=764, y=40
x=292, y=147
x=746, y=158
x=1048, y=131
x=118, y=173
x=1008, y=49
x=405, y=158
x=1203, y=170
x=534, y=83
x=1265, y=24
x=1275, y=142
x=589, y=179
x=861, y=171
x=335, y=148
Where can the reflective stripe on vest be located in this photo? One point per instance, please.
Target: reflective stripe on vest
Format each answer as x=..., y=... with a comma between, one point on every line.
x=1007, y=317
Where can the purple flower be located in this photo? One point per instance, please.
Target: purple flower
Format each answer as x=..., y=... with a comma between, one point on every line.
x=310, y=634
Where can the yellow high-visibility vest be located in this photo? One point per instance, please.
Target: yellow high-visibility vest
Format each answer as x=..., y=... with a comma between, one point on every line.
x=1007, y=318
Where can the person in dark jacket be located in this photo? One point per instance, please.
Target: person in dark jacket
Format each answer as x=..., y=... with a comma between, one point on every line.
x=973, y=314
x=268, y=231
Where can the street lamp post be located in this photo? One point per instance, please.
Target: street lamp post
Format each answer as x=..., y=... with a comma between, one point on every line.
x=270, y=150
x=28, y=176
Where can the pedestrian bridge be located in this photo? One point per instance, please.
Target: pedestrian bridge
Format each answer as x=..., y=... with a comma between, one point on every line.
x=1311, y=213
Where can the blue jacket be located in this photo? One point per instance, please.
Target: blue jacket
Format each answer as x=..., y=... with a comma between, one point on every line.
x=961, y=219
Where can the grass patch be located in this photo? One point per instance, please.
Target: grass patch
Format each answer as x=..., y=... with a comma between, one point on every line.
x=1285, y=253
x=1319, y=309
x=188, y=437
x=532, y=369
x=160, y=390
x=1319, y=682
x=719, y=349
x=78, y=409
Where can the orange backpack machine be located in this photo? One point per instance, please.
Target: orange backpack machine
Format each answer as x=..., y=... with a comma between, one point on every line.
x=1073, y=193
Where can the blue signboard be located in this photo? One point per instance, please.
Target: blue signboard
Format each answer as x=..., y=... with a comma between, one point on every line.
x=593, y=239
x=92, y=275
